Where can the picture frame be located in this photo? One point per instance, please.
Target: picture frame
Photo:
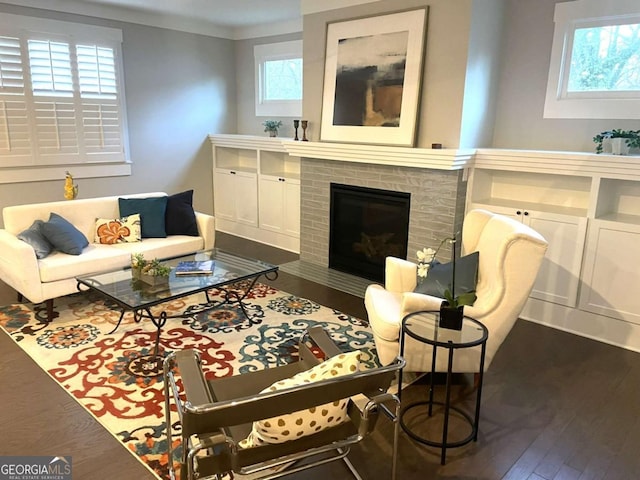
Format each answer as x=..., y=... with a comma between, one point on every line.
x=373, y=77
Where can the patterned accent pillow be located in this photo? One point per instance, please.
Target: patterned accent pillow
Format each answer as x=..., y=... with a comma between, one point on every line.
x=310, y=421
x=118, y=230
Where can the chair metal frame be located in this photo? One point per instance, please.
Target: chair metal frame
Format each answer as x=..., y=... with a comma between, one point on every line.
x=216, y=414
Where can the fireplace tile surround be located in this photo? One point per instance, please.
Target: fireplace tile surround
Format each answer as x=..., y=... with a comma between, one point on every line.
x=437, y=201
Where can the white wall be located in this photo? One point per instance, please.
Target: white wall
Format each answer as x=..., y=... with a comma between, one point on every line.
x=179, y=88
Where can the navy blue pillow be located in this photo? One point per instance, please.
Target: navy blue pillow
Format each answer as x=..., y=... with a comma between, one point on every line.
x=152, y=213
x=440, y=275
x=34, y=237
x=63, y=235
x=180, y=219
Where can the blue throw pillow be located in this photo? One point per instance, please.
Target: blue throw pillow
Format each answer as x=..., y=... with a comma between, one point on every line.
x=152, y=214
x=34, y=237
x=440, y=275
x=64, y=236
x=180, y=219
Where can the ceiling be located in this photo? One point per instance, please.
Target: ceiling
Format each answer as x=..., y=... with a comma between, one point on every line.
x=225, y=18
x=235, y=19
x=228, y=13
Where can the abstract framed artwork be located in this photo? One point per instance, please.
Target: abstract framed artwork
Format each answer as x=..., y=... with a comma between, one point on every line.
x=372, y=79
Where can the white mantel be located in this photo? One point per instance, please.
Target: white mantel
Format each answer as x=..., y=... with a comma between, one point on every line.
x=542, y=161
x=438, y=159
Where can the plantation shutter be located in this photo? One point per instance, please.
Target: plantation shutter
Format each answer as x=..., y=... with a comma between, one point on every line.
x=60, y=99
x=15, y=134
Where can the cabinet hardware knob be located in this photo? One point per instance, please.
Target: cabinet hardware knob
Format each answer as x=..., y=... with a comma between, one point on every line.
x=526, y=213
x=232, y=172
x=518, y=212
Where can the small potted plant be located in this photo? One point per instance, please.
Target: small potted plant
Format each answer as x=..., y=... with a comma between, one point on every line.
x=619, y=138
x=151, y=272
x=272, y=127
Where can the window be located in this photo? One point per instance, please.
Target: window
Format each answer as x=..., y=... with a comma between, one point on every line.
x=279, y=79
x=61, y=100
x=595, y=61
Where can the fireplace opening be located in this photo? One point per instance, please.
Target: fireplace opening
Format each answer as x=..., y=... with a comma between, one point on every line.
x=366, y=226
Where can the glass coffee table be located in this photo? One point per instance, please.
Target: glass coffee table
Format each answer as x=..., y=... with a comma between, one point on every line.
x=134, y=295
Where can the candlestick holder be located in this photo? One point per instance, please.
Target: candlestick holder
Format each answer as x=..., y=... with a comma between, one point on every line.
x=296, y=124
x=304, y=124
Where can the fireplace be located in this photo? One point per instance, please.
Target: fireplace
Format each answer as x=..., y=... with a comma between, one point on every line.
x=366, y=226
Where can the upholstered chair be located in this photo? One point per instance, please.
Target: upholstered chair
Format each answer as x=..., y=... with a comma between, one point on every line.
x=510, y=255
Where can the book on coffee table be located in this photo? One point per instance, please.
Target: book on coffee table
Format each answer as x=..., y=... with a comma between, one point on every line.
x=196, y=267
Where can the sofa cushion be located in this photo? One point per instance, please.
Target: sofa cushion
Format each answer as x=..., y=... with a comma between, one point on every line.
x=173, y=246
x=306, y=422
x=63, y=235
x=118, y=230
x=34, y=237
x=152, y=214
x=94, y=258
x=180, y=219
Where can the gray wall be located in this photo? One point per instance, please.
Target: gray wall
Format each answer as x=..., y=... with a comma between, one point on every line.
x=248, y=123
x=523, y=82
x=444, y=73
x=179, y=88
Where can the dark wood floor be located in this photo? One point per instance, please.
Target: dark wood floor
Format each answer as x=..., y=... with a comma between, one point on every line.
x=555, y=406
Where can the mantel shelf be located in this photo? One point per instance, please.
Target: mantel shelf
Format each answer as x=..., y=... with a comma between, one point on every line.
x=442, y=159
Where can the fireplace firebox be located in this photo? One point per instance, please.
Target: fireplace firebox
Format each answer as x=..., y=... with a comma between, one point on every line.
x=366, y=226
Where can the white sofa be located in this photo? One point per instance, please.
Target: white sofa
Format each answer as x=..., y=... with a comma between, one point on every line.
x=54, y=276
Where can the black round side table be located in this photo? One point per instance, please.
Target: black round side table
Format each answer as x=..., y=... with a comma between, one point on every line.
x=424, y=327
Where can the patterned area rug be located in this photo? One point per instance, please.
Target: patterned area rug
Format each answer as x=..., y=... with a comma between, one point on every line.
x=112, y=376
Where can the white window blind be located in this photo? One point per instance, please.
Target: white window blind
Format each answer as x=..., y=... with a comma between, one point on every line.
x=61, y=94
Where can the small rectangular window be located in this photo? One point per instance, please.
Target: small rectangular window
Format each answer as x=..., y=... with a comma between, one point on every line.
x=594, y=71
x=605, y=59
x=279, y=79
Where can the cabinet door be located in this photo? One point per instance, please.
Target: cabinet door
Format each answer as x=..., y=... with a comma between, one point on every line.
x=611, y=274
x=235, y=196
x=246, y=198
x=223, y=195
x=291, y=225
x=271, y=203
x=559, y=274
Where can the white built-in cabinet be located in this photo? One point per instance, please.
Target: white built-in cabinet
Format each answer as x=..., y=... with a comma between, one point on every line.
x=256, y=190
x=588, y=208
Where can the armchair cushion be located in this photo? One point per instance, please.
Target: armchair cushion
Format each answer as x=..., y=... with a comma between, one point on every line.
x=34, y=237
x=440, y=275
x=313, y=420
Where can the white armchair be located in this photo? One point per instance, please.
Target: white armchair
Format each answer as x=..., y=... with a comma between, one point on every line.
x=510, y=254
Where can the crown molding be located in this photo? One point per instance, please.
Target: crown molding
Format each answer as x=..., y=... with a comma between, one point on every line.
x=308, y=7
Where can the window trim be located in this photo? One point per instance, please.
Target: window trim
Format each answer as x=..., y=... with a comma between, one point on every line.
x=608, y=105
x=275, y=51
x=82, y=166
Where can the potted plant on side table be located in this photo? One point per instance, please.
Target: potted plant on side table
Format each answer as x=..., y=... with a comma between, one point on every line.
x=444, y=278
